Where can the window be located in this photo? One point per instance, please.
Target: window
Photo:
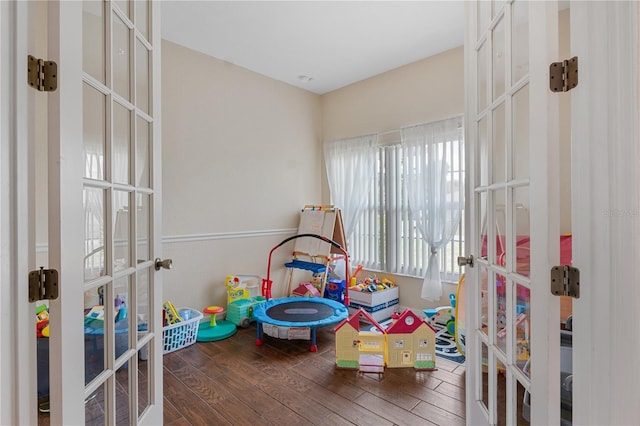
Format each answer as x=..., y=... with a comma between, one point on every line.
x=386, y=237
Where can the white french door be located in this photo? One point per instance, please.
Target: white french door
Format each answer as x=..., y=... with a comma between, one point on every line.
x=104, y=212
x=605, y=201
x=513, y=199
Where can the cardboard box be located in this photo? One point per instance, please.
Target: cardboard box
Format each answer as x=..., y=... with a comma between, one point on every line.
x=290, y=333
x=379, y=304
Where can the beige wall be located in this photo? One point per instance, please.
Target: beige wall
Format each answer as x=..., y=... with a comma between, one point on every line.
x=242, y=154
x=241, y=157
x=428, y=90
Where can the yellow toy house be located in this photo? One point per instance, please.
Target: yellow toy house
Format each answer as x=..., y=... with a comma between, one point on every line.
x=408, y=342
x=356, y=348
x=411, y=341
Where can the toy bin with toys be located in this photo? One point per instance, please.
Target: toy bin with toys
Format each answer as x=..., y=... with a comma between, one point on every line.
x=377, y=297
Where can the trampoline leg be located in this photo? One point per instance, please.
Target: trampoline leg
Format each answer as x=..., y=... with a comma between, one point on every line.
x=259, y=330
x=314, y=347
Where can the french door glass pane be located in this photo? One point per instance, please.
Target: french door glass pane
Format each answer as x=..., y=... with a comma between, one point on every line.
x=520, y=39
x=142, y=227
x=484, y=378
x=501, y=312
x=93, y=39
x=522, y=228
x=143, y=160
x=121, y=143
x=483, y=272
x=142, y=17
x=94, y=347
x=93, y=131
x=484, y=16
x=94, y=412
x=483, y=53
x=482, y=216
x=483, y=148
x=94, y=233
x=120, y=58
x=123, y=392
x=142, y=300
x=522, y=316
x=121, y=230
x=499, y=146
x=498, y=59
x=520, y=104
x=497, y=5
x=500, y=220
x=501, y=383
x=143, y=379
x=124, y=6
x=121, y=291
x=142, y=76
x=523, y=409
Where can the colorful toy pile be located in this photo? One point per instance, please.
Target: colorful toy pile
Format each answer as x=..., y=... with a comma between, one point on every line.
x=372, y=284
x=377, y=296
x=42, y=321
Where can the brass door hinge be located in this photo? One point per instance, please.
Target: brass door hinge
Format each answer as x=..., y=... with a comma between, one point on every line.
x=43, y=284
x=565, y=281
x=42, y=75
x=563, y=76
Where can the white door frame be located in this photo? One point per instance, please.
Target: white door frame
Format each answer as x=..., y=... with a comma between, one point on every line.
x=606, y=211
x=65, y=209
x=18, y=380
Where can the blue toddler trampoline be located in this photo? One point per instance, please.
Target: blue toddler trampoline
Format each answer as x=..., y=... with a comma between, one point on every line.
x=312, y=312
x=300, y=312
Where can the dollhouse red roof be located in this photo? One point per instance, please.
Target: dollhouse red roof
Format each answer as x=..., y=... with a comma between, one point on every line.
x=354, y=321
x=407, y=323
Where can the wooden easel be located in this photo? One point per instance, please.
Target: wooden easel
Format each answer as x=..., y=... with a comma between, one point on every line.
x=325, y=221
x=320, y=220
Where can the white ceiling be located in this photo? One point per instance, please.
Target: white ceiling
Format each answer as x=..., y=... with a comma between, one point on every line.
x=336, y=43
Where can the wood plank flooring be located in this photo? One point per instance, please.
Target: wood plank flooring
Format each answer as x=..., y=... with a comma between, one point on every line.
x=235, y=382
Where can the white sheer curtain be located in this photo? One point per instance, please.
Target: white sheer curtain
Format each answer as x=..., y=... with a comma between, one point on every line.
x=435, y=207
x=350, y=171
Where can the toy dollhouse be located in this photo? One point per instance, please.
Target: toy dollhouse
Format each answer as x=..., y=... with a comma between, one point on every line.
x=409, y=341
x=353, y=345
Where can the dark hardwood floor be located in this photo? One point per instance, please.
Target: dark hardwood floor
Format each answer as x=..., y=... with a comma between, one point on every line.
x=235, y=382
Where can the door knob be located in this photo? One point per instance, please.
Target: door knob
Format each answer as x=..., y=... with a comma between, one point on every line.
x=465, y=261
x=166, y=263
